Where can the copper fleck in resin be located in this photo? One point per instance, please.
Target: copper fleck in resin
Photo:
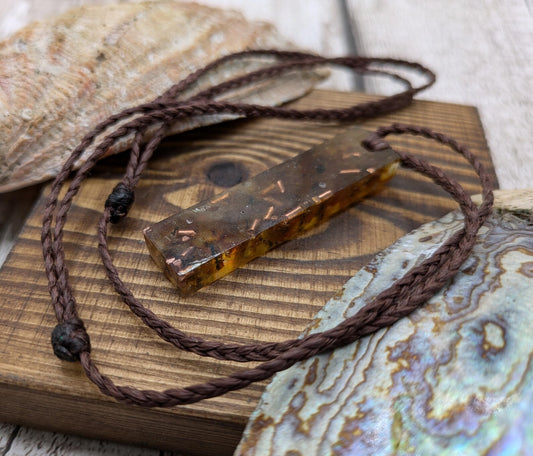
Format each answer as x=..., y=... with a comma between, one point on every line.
x=207, y=241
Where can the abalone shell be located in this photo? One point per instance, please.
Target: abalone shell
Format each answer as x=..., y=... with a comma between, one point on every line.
x=453, y=378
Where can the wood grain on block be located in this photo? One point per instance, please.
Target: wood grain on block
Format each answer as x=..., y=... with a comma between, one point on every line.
x=271, y=298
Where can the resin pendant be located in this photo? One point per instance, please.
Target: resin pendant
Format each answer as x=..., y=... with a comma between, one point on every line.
x=207, y=241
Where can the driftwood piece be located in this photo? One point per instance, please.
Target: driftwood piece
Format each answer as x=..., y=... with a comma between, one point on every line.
x=455, y=375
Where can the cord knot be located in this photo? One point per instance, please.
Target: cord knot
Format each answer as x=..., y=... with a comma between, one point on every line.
x=119, y=201
x=69, y=339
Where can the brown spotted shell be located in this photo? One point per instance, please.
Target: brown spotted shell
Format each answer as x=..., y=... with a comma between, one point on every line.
x=60, y=77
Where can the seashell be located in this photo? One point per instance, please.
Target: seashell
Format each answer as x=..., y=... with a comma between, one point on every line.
x=60, y=77
x=455, y=377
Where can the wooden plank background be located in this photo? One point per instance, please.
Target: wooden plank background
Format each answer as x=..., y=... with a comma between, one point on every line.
x=481, y=52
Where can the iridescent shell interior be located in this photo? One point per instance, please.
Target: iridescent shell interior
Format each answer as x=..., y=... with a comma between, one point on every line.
x=455, y=377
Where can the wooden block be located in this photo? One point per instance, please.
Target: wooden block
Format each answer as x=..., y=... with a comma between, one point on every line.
x=271, y=298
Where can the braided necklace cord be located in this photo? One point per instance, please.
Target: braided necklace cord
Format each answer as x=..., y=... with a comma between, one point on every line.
x=70, y=339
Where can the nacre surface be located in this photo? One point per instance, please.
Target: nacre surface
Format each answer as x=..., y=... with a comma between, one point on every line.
x=453, y=378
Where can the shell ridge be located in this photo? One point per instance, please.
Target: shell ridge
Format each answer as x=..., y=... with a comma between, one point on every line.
x=60, y=78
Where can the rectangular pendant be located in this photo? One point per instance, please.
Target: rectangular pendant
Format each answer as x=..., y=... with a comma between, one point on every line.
x=205, y=242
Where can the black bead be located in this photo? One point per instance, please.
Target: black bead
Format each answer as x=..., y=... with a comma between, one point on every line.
x=69, y=339
x=119, y=201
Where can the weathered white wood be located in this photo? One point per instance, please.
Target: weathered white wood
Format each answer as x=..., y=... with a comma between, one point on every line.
x=6, y=436
x=482, y=53
x=14, y=207
x=32, y=442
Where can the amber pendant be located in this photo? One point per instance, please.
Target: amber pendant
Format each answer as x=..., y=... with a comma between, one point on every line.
x=207, y=241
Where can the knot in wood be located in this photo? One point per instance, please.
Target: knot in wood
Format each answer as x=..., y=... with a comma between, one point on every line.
x=119, y=202
x=69, y=339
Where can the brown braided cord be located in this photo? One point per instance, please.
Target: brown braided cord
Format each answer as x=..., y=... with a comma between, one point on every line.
x=70, y=339
x=404, y=296
x=167, y=109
